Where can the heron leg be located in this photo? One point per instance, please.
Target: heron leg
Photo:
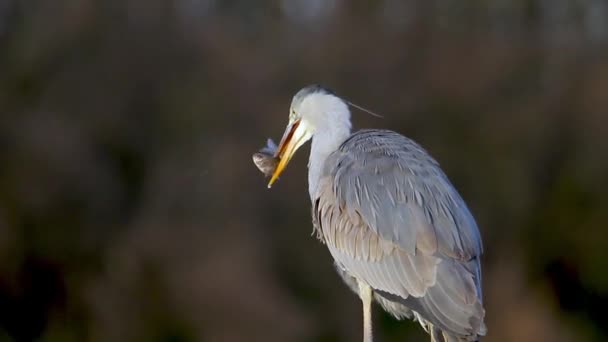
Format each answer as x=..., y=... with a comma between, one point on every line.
x=365, y=293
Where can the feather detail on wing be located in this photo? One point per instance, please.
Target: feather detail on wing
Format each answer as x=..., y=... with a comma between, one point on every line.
x=389, y=183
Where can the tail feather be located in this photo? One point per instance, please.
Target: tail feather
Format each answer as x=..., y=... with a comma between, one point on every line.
x=438, y=335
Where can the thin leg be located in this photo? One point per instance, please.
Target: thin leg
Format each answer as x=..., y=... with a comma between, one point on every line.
x=365, y=293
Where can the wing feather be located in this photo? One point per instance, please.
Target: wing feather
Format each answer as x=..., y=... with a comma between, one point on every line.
x=380, y=179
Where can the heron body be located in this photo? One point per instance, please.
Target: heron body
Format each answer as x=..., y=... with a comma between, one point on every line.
x=397, y=229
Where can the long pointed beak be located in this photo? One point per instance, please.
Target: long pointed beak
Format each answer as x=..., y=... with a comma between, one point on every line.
x=295, y=135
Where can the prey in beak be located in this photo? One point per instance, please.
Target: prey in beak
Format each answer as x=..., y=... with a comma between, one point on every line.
x=296, y=134
x=265, y=160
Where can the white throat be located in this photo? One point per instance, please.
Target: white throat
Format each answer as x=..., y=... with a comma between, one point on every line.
x=324, y=142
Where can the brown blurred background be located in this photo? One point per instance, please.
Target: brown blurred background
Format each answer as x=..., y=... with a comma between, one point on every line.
x=130, y=209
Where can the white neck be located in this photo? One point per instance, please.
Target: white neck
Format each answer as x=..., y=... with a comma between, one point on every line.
x=324, y=142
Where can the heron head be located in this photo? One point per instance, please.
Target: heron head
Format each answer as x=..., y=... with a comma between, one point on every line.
x=314, y=110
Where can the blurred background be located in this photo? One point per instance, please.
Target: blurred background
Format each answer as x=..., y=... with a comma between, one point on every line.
x=130, y=209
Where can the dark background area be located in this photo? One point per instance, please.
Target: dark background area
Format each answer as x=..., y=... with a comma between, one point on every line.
x=130, y=209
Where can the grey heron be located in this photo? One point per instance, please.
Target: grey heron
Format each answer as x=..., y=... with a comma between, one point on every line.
x=398, y=230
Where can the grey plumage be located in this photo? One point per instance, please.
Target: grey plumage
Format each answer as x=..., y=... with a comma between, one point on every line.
x=390, y=218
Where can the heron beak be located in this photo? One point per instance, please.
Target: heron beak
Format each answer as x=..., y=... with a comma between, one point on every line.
x=295, y=135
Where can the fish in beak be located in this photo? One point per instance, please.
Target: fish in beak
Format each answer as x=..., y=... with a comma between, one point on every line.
x=265, y=160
